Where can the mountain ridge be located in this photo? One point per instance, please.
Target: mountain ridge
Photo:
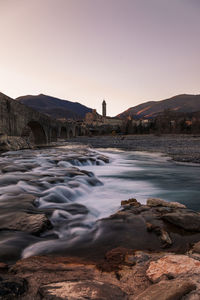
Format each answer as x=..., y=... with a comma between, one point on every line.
x=55, y=107
x=184, y=103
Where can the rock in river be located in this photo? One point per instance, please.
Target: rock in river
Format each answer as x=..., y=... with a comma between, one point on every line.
x=187, y=220
x=159, y=202
x=21, y=221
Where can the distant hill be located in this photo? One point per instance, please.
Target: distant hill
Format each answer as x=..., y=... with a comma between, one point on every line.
x=54, y=107
x=180, y=104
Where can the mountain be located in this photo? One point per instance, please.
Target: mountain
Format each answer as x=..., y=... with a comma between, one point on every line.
x=54, y=107
x=179, y=104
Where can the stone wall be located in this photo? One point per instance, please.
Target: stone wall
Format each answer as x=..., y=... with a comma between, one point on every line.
x=17, y=119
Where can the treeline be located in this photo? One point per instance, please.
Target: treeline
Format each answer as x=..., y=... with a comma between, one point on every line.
x=168, y=122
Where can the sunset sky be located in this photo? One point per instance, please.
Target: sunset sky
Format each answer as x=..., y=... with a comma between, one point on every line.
x=124, y=51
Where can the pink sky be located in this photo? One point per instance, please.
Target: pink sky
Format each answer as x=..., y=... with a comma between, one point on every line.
x=123, y=51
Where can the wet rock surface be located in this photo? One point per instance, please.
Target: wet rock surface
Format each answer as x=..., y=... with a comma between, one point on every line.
x=30, y=223
x=148, y=228
x=185, y=219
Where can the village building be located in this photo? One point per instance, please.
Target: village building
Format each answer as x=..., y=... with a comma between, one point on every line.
x=103, y=121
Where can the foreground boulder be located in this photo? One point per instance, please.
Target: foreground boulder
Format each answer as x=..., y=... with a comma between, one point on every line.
x=196, y=248
x=84, y=289
x=127, y=278
x=124, y=256
x=12, y=288
x=166, y=290
x=172, y=266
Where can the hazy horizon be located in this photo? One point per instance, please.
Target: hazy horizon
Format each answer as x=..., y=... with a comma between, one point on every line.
x=107, y=103
x=124, y=51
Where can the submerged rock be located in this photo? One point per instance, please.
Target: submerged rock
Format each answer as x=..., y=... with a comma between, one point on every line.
x=103, y=158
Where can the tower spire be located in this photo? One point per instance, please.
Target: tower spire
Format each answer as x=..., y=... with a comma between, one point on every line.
x=104, y=108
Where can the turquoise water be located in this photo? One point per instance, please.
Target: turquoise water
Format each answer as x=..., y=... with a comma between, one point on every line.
x=143, y=175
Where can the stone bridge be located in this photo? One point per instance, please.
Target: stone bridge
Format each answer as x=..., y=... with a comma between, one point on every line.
x=17, y=119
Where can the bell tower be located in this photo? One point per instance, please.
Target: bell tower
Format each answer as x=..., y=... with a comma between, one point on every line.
x=104, y=108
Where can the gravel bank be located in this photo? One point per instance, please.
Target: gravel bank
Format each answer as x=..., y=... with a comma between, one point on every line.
x=183, y=148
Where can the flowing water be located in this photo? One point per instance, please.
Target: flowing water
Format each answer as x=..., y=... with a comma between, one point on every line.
x=75, y=186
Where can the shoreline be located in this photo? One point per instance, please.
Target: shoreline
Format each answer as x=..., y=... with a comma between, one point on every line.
x=181, y=148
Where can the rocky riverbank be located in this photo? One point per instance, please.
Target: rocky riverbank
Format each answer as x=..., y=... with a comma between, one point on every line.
x=14, y=143
x=183, y=148
x=180, y=147
x=142, y=252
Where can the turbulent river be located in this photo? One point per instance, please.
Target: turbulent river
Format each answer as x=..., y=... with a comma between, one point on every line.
x=74, y=186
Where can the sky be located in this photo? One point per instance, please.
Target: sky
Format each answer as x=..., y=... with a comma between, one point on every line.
x=124, y=51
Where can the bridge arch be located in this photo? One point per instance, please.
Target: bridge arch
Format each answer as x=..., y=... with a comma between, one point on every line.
x=70, y=133
x=54, y=134
x=63, y=133
x=35, y=132
x=77, y=131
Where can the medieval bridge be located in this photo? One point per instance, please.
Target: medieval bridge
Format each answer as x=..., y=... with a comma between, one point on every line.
x=17, y=119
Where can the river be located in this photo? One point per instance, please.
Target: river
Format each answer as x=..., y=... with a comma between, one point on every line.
x=75, y=186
